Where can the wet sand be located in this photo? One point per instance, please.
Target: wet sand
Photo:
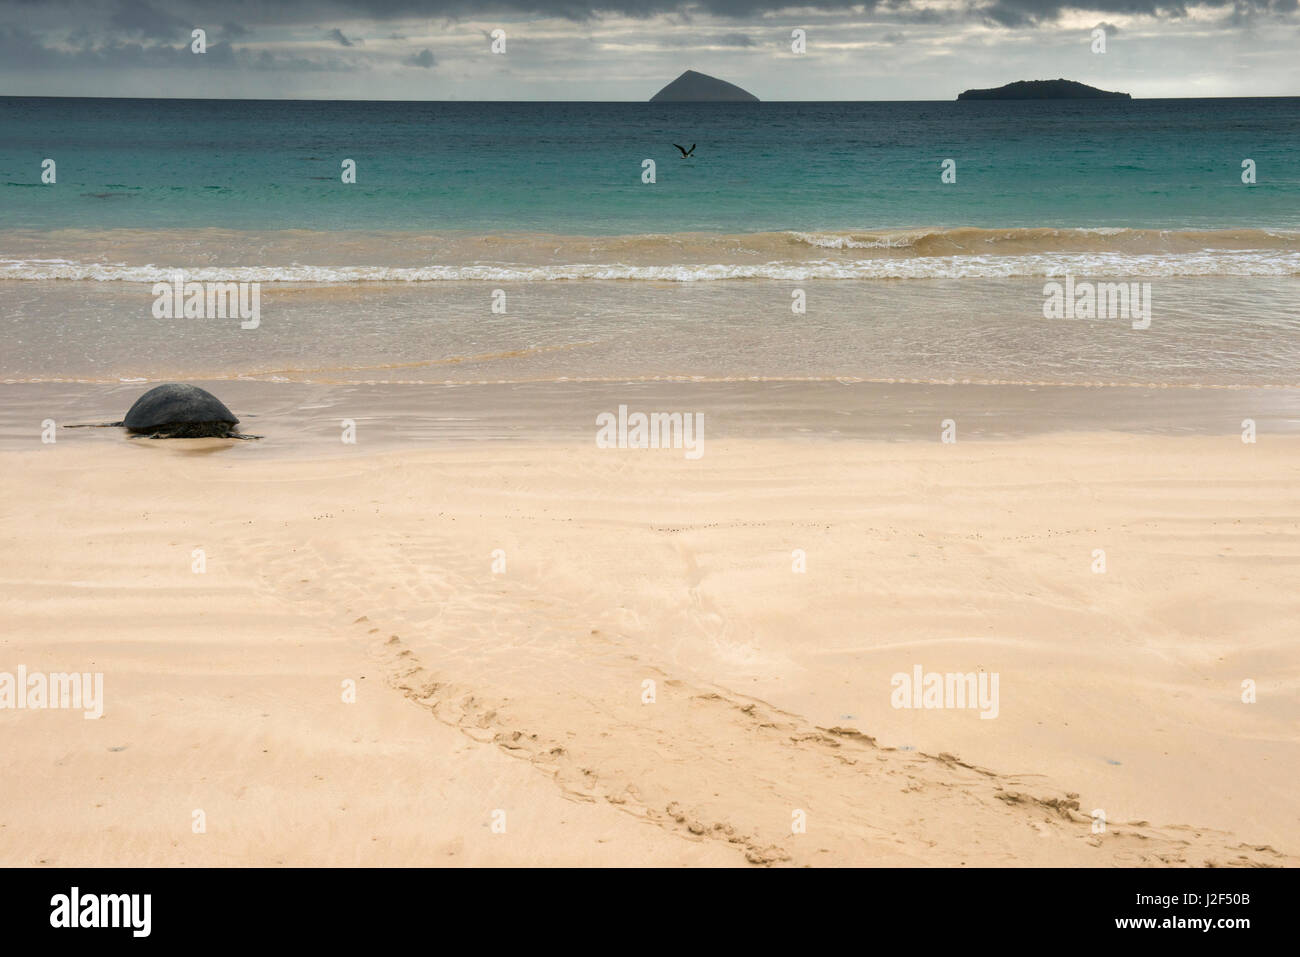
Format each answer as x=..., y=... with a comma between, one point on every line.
x=306, y=418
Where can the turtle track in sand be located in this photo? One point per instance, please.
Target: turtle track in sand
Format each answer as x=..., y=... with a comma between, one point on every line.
x=703, y=763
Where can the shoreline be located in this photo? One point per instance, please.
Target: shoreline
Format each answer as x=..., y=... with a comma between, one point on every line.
x=305, y=418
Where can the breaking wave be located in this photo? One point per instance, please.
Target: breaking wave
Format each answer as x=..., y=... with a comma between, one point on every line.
x=1211, y=263
x=311, y=257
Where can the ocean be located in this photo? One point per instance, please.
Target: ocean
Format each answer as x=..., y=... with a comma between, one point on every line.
x=519, y=244
x=575, y=168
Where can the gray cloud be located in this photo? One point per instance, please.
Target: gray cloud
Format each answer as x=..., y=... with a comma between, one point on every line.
x=20, y=48
x=23, y=49
x=1026, y=11
x=627, y=47
x=1015, y=13
x=731, y=40
x=727, y=39
x=138, y=18
x=141, y=18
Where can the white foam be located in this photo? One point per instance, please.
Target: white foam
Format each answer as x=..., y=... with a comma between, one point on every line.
x=1204, y=263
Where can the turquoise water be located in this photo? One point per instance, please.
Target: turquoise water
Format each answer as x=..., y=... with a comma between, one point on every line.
x=517, y=243
x=576, y=168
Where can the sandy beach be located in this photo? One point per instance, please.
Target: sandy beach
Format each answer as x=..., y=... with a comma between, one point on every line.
x=570, y=655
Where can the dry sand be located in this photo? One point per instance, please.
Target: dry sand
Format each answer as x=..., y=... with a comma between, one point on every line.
x=521, y=690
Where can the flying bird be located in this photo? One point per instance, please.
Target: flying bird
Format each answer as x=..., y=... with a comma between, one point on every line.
x=686, y=153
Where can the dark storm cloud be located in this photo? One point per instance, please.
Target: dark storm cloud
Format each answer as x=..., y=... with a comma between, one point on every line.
x=139, y=18
x=23, y=49
x=20, y=48
x=1016, y=13
x=731, y=40
x=1002, y=11
x=381, y=48
x=71, y=33
x=144, y=19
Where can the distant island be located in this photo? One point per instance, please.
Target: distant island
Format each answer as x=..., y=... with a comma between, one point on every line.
x=692, y=87
x=1043, y=90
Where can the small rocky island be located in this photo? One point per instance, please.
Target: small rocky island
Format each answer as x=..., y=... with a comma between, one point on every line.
x=1043, y=90
x=692, y=87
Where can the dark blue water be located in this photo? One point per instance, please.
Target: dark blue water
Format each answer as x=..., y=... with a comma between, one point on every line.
x=577, y=167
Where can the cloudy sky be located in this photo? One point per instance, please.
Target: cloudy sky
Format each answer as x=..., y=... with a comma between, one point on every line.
x=627, y=49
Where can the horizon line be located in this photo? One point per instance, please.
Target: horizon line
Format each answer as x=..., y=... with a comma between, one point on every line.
x=741, y=103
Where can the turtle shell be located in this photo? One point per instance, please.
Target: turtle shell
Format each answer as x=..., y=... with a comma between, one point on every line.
x=175, y=403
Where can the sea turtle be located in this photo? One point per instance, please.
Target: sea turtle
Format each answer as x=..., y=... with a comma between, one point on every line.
x=177, y=411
